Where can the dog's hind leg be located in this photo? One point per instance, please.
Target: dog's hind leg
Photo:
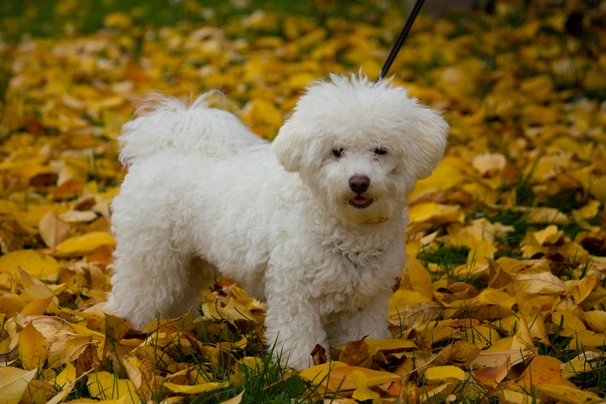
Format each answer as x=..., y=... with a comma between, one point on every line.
x=202, y=276
x=154, y=280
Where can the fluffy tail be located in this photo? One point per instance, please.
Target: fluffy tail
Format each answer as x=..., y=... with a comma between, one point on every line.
x=167, y=124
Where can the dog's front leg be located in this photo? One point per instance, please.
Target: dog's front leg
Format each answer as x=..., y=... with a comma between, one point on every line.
x=370, y=321
x=293, y=328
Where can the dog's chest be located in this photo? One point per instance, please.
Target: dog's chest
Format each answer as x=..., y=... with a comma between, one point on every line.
x=351, y=282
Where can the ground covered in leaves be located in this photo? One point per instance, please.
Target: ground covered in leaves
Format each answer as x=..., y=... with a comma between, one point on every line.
x=504, y=296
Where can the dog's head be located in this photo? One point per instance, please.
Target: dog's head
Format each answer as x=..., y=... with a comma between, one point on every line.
x=361, y=146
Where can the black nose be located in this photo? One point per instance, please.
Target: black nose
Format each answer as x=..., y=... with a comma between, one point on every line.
x=359, y=183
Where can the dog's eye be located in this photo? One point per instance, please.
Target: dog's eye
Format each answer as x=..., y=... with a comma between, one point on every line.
x=380, y=151
x=337, y=152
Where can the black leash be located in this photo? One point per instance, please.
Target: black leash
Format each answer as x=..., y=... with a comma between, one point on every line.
x=396, y=48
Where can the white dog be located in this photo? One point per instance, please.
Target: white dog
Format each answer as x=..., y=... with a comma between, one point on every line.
x=312, y=223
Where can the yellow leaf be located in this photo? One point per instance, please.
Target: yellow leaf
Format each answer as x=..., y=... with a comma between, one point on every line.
x=571, y=325
x=478, y=254
x=574, y=252
x=67, y=349
x=549, y=166
x=403, y=298
x=546, y=215
x=13, y=383
x=507, y=396
x=197, y=389
x=236, y=399
x=106, y=386
x=36, y=213
x=568, y=394
x=482, y=336
x=37, y=307
x=581, y=364
x=299, y=80
x=420, y=278
x=443, y=390
x=598, y=189
x=67, y=376
x=496, y=297
x=580, y=290
x=489, y=163
x=341, y=375
x=389, y=344
x=232, y=312
x=539, y=282
x=596, y=320
x=85, y=244
x=492, y=359
x=117, y=20
x=588, y=211
x=320, y=372
x=62, y=395
x=115, y=327
x=540, y=370
x=444, y=177
x=431, y=211
x=481, y=192
x=499, y=278
x=32, y=262
x=8, y=206
x=549, y=235
x=33, y=286
x=587, y=339
x=362, y=391
x=262, y=111
x=33, y=348
x=441, y=373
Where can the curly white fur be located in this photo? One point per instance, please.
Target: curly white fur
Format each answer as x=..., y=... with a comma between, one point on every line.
x=204, y=196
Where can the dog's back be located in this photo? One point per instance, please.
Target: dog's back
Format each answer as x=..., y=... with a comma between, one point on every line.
x=168, y=124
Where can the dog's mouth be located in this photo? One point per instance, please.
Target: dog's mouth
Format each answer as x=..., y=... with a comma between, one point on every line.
x=360, y=202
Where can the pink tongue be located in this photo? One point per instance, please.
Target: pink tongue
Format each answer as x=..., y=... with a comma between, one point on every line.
x=360, y=200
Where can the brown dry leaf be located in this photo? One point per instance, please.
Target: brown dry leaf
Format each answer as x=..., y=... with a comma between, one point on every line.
x=318, y=355
x=489, y=163
x=53, y=230
x=356, y=353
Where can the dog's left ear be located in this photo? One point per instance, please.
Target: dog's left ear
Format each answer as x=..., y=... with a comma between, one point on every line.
x=288, y=146
x=430, y=135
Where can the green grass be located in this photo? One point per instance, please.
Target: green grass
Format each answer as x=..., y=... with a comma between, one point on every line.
x=45, y=18
x=447, y=258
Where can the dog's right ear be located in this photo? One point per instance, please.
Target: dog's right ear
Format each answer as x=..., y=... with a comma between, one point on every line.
x=288, y=146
